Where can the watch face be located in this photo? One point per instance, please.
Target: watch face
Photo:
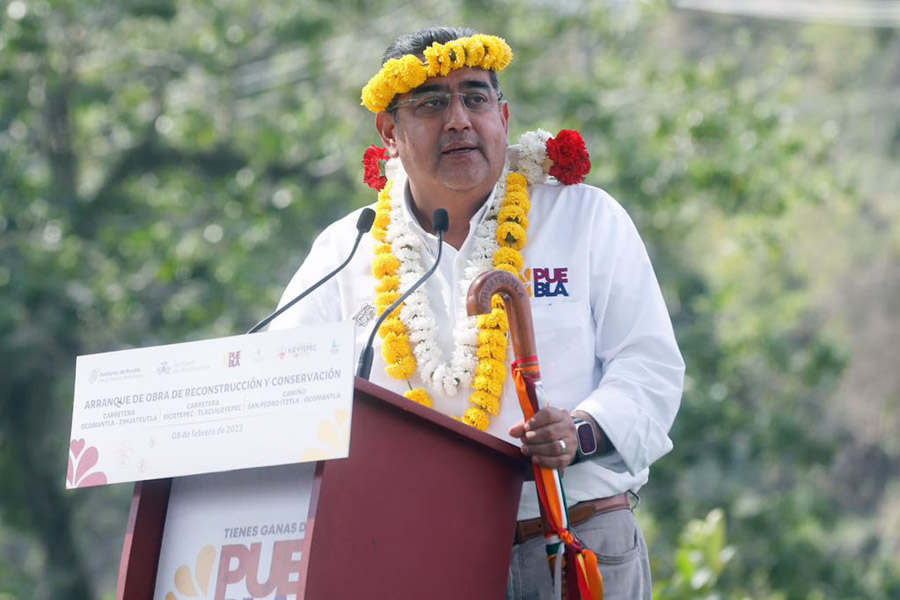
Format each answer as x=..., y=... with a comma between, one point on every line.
x=586, y=441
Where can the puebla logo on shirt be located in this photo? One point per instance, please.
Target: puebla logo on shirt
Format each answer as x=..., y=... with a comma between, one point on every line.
x=547, y=282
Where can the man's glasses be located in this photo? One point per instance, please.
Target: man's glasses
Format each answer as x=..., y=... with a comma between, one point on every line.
x=431, y=104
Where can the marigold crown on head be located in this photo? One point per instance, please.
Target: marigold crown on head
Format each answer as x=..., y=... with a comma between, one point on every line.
x=400, y=75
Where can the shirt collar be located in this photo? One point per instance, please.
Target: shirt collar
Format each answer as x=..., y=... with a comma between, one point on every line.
x=413, y=223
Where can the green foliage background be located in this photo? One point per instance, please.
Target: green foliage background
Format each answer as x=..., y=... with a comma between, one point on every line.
x=164, y=167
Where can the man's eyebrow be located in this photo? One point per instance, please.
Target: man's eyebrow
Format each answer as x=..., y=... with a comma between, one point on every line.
x=438, y=87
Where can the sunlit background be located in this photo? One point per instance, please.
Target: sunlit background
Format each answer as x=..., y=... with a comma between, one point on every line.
x=164, y=167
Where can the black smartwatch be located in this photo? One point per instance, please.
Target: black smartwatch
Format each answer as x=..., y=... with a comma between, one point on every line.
x=587, y=442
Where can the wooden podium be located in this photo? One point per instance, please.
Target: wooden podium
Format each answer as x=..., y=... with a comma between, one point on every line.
x=424, y=507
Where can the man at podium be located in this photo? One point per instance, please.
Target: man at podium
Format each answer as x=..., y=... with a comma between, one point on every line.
x=610, y=365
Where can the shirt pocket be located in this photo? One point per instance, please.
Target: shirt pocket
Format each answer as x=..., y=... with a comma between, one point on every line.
x=564, y=335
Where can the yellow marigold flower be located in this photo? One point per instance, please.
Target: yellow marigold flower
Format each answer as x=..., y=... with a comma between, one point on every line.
x=376, y=96
x=515, y=196
x=489, y=367
x=491, y=336
x=394, y=348
x=516, y=181
x=503, y=53
x=383, y=249
x=513, y=213
x=433, y=60
x=385, y=299
x=477, y=418
x=496, y=319
x=388, y=283
x=403, y=369
x=391, y=76
x=380, y=225
x=385, y=264
x=368, y=98
x=384, y=196
x=412, y=71
x=474, y=52
x=419, y=396
x=489, y=320
x=491, y=53
x=488, y=403
x=520, y=199
x=494, y=351
x=512, y=235
x=456, y=54
x=383, y=203
x=392, y=325
x=394, y=78
x=488, y=384
x=497, y=302
x=508, y=256
x=498, y=54
x=516, y=185
x=438, y=57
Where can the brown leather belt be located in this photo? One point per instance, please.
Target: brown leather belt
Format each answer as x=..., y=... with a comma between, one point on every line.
x=579, y=513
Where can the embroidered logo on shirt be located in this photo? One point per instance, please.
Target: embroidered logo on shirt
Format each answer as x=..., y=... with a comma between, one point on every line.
x=365, y=315
x=548, y=281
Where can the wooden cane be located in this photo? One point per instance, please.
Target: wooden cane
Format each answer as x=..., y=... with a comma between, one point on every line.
x=587, y=582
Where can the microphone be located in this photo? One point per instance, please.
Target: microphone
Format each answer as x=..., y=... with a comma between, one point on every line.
x=440, y=222
x=363, y=225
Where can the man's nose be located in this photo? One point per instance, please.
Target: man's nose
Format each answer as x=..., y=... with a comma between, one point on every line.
x=456, y=115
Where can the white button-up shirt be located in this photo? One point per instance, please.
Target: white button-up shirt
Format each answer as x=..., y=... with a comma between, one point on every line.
x=604, y=338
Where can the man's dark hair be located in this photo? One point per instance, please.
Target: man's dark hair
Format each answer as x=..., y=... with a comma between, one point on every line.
x=416, y=42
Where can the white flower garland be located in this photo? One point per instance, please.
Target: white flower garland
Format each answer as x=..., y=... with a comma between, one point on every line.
x=532, y=156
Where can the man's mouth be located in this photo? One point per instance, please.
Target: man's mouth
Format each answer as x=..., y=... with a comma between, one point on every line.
x=454, y=149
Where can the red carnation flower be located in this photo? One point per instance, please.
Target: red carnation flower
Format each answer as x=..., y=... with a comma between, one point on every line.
x=372, y=160
x=571, y=161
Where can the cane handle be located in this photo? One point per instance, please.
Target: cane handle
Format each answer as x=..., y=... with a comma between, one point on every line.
x=518, y=307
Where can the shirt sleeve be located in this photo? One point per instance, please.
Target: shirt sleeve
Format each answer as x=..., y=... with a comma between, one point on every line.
x=642, y=370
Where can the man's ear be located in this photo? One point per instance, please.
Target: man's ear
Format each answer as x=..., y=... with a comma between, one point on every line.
x=504, y=113
x=386, y=125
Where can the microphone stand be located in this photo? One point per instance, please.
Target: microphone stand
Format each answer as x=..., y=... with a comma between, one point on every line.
x=363, y=225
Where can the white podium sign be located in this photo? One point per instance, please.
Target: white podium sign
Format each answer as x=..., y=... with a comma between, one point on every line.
x=235, y=535
x=239, y=402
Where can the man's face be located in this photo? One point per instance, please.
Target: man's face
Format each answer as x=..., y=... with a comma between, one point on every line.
x=453, y=154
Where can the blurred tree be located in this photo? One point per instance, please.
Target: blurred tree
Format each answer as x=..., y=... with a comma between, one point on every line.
x=153, y=159
x=700, y=559
x=704, y=129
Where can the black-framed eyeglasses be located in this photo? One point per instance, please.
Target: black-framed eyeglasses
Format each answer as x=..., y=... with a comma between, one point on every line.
x=431, y=104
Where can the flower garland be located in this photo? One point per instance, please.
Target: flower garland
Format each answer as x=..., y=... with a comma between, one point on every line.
x=400, y=75
x=409, y=337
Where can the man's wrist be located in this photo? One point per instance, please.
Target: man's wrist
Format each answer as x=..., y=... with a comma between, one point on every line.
x=592, y=441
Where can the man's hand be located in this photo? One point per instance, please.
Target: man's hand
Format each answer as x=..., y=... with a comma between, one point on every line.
x=548, y=438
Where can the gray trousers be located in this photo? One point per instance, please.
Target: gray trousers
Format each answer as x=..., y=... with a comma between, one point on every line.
x=621, y=551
